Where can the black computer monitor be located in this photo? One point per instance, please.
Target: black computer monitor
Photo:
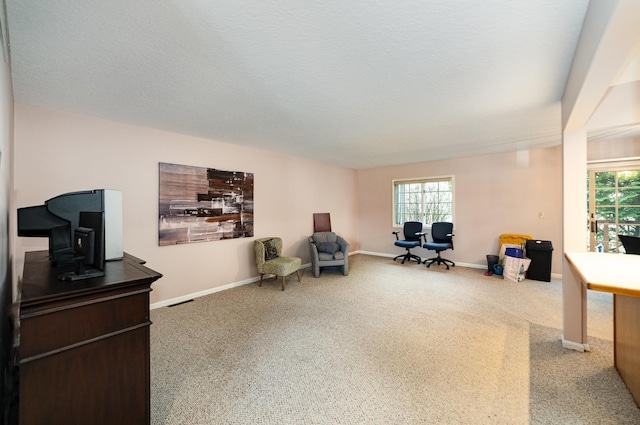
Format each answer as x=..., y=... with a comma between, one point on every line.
x=88, y=247
x=84, y=229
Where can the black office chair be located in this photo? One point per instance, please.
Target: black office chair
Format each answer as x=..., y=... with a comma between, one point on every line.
x=412, y=237
x=442, y=235
x=631, y=244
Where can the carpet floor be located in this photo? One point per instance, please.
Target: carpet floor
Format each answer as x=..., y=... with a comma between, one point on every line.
x=388, y=344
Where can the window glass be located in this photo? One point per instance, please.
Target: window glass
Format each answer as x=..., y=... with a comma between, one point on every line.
x=614, y=207
x=426, y=200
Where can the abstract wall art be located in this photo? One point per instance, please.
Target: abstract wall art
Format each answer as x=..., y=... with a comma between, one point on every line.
x=198, y=204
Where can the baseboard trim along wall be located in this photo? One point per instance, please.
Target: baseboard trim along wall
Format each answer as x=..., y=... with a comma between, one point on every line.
x=575, y=345
x=382, y=254
x=470, y=265
x=189, y=297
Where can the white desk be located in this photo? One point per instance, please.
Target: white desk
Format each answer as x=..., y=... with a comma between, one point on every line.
x=620, y=275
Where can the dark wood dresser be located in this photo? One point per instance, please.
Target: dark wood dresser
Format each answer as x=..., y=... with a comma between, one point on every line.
x=83, y=349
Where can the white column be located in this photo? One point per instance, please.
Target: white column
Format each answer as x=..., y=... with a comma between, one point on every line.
x=574, y=238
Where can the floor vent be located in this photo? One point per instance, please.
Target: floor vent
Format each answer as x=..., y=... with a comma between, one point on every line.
x=180, y=303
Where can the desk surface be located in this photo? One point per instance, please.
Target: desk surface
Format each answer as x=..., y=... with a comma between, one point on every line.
x=615, y=273
x=40, y=284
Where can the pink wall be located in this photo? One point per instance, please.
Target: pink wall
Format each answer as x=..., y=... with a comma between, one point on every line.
x=57, y=152
x=494, y=194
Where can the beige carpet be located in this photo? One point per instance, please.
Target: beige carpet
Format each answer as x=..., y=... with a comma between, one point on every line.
x=388, y=344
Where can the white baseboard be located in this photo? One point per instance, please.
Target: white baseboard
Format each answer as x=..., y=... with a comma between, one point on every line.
x=470, y=265
x=189, y=297
x=382, y=254
x=575, y=345
x=377, y=254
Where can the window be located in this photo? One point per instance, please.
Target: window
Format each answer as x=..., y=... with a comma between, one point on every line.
x=426, y=200
x=614, y=206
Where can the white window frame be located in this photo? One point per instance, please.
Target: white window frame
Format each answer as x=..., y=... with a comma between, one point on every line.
x=422, y=181
x=610, y=166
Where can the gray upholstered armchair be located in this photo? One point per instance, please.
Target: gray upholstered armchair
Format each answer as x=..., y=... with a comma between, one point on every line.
x=328, y=249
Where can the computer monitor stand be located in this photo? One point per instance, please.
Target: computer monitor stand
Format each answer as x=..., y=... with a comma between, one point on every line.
x=80, y=272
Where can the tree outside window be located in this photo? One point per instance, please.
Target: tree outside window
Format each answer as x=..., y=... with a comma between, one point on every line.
x=614, y=205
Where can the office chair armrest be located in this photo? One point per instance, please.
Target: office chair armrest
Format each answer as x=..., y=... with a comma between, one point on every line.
x=396, y=233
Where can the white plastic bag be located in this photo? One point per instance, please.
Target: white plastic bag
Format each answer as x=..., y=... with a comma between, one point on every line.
x=515, y=269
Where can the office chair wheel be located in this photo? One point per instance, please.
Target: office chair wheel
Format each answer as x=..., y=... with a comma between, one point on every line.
x=408, y=257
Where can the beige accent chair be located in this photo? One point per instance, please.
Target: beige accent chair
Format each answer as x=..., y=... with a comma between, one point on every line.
x=269, y=259
x=328, y=249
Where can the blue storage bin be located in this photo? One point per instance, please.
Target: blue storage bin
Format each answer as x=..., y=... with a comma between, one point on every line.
x=514, y=252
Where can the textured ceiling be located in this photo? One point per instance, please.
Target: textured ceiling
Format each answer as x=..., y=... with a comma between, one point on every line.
x=354, y=83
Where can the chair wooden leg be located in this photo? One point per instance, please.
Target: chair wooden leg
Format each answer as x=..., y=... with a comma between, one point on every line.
x=283, y=283
x=260, y=284
x=298, y=271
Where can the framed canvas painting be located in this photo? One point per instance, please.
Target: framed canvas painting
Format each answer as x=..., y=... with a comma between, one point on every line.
x=199, y=204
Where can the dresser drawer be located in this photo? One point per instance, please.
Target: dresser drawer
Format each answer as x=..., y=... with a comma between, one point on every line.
x=58, y=328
